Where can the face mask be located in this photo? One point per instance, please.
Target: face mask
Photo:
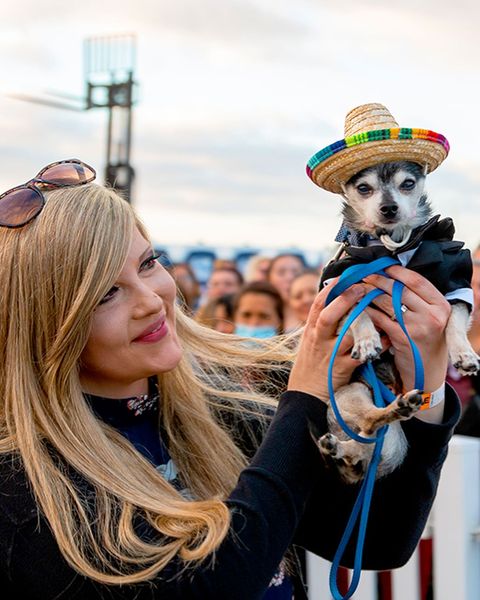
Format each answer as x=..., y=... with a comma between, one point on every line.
x=259, y=332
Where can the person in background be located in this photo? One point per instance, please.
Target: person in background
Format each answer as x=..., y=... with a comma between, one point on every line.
x=223, y=280
x=187, y=285
x=282, y=271
x=258, y=310
x=468, y=386
x=256, y=268
x=217, y=314
x=474, y=332
x=224, y=263
x=136, y=462
x=303, y=291
x=469, y=423
x=465, y=385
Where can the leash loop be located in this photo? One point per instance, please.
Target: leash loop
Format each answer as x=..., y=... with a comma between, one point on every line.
x=359, y=308
x=382, y=396
x=356, y=273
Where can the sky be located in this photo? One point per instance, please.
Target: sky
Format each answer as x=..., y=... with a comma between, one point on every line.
x=233, y=98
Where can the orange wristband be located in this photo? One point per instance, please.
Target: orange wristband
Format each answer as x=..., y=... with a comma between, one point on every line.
x=431, y=399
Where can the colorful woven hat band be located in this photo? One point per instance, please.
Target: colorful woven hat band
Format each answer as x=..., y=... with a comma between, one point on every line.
x=365, y=145
x=400, y=133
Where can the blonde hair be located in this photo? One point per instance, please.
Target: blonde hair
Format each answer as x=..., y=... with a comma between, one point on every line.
x=53, y=273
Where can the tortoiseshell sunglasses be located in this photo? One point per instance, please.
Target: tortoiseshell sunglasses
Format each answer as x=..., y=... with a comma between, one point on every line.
x=22, y=204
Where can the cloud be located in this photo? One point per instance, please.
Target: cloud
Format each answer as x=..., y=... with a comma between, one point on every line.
x=245, y=22
x=239, y=167
x=235, y=96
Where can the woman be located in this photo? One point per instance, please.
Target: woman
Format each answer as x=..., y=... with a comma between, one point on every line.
x=282, y=271
x=224, y=279
x=129, y=465
x=303, y=291
x=258, y=310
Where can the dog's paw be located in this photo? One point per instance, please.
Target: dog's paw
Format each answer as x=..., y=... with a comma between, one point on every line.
x=351, y=462
x=408, y=404
x=466, y=363
x=328, y=445
x=367, y=348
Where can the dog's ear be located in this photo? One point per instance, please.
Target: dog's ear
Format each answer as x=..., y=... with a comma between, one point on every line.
x=425, y=170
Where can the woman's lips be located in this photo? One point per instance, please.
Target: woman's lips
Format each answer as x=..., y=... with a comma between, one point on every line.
x=154, y=333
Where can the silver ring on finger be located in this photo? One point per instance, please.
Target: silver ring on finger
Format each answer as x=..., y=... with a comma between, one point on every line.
x=403, y=309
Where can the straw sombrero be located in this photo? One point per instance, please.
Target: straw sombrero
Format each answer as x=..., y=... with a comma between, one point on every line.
x=372, y=136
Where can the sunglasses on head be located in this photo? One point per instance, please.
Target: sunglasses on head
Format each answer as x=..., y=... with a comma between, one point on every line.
x=22, y=204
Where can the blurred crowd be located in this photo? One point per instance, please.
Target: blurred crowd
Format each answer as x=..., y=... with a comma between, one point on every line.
x=272, y=296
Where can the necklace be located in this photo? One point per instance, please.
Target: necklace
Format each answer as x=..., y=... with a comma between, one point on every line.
x=126, y=408
x=143, y=403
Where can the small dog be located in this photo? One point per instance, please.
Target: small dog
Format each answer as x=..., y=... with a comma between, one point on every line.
x=388, y=205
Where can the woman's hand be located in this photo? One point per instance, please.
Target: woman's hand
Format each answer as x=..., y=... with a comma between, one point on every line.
x=310, y=370
x=425, y=321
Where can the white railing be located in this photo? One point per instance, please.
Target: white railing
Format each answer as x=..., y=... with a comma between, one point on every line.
x=455, y=528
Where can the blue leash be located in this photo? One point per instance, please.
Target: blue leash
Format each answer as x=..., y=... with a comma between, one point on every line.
x=382, y=396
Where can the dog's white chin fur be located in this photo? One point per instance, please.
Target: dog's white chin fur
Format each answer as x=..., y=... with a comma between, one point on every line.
x=391, y=245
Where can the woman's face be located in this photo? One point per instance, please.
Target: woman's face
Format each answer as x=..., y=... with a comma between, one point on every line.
x=283, y=272
x=257, y=310
x=133, y=330
x=302, y=294
x=221, y=282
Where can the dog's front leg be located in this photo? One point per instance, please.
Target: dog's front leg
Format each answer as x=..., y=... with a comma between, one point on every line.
x=366, y=339
x=461, y=354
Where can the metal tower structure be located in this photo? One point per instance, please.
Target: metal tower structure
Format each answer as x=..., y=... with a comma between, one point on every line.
x=109, y=64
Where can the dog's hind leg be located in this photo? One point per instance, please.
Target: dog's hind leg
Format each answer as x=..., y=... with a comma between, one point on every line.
x=402, y=408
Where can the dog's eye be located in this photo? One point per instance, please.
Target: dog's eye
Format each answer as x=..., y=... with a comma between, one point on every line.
x=408, y=184
x=364, y=189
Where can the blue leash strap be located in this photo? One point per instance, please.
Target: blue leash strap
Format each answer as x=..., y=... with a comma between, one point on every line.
x=359, y=308
x=356, y=273
x=397, y=307
x=382, y=396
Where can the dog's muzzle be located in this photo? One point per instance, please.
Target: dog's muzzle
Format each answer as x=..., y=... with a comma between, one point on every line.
x=383, y=231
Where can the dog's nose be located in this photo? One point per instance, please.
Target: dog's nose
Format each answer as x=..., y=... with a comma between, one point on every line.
x=389, y=210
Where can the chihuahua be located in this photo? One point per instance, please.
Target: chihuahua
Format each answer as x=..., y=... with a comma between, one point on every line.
x=386, y=211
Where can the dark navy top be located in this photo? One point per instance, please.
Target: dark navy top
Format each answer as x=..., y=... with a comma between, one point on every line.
x=138, y=419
